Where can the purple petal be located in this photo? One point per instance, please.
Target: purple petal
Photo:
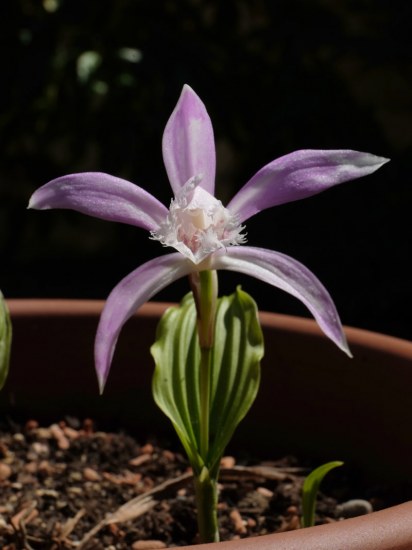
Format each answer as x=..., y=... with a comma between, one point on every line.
x=103, y=196
x=188, y=143
x=291, y=276
x=126, y=298
x=300, y=175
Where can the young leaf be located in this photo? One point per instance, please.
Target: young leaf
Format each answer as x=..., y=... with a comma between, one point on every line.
x=310, y=491
x=235, y=372
x=176, y=377
x=5, y=340
x=235, y=375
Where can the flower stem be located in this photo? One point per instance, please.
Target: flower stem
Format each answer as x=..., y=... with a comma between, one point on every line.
x=207, y=307
x=206, y=321
x=204, y=287
x=206, y=500
x=204, y=384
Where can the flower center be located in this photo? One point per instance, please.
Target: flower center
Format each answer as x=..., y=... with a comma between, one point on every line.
x=198, y=224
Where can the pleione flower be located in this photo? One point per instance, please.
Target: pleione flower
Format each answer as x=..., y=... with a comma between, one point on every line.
x=205, y=234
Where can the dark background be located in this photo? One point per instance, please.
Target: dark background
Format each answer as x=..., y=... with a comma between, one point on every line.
x=276, y=76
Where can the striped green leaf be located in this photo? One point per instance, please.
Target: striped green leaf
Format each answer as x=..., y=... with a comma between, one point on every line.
x=238, y=349
x=235, y=372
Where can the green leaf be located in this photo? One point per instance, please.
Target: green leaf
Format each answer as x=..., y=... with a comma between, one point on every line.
x=5, y=340
x=310, y=491
x=176, y=377
x=238, y=349
x=235, y=372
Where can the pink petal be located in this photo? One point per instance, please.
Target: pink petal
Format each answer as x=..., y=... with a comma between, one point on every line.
x=188, y=143
x=289, y=275
x=126, y=298
x=103, y=196
x=300, y=175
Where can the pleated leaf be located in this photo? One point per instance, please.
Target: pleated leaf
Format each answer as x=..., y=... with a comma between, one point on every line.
x=238, y=349
x=235, y=372
x=176, y=377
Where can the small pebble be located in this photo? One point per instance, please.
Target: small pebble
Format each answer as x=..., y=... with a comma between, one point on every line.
x=5, y=471
x=238, y=522
x=4, y=450
x=37, y=450
x=43, y=433
x=45, y=468
x=75, y=476
x=72, y=421
x=62, y=442
x=290, y=523
x=138, y=460
x=127, y=478
x=251, y=522
x=147, y=449
x=60, y=504
x=353, y=508
x=75, y=490
x=267, y=493
x=70, y=433
x=227, y=462
x=90, y=474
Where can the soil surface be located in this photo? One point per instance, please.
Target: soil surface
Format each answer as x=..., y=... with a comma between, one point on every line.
x=69, y=485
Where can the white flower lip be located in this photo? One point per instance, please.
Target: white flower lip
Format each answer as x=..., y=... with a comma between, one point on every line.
x=198, y=224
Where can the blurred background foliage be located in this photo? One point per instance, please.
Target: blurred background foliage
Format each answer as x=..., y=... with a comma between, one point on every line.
x=90, y=84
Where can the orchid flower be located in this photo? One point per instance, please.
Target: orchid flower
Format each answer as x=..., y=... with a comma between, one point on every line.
x=205, y=234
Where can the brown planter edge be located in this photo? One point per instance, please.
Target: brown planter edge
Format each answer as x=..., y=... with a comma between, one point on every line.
x=389, y=529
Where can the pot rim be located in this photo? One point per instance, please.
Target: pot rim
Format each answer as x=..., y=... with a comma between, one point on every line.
x=66, y=307
x=389, y=529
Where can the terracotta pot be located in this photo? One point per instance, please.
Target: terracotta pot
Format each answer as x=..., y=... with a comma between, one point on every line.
x=313, y=399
